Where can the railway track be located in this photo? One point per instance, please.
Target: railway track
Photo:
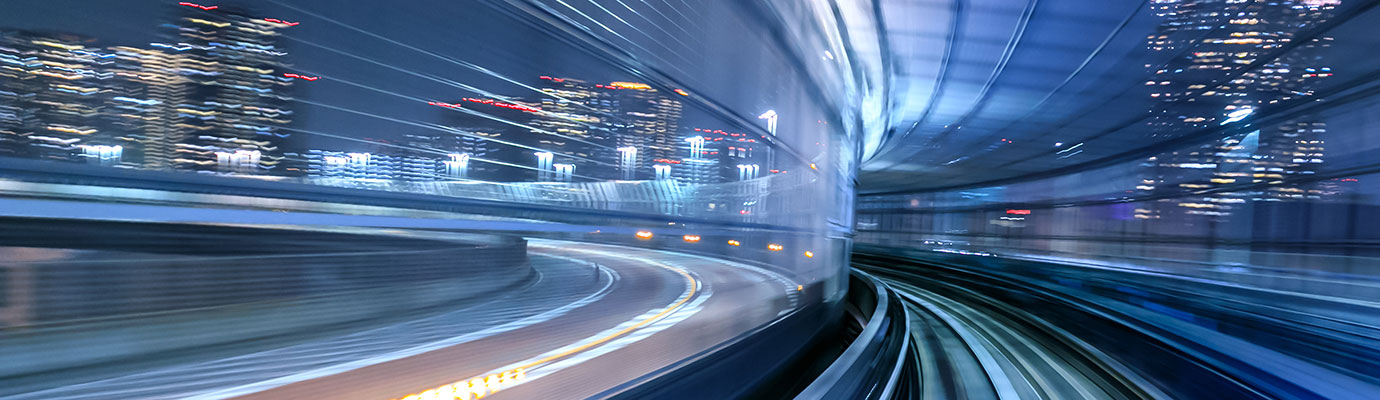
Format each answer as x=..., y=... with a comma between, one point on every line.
x=972, y=345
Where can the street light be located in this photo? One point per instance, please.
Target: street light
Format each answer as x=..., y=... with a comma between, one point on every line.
x=1238, y=115
x=458, y=166
x=544, y=159
x=771, y=117
x=564, y=172
x=102, y=154
x=246, y=160
x=696, y=147
x=627, y=161
x=747, y=171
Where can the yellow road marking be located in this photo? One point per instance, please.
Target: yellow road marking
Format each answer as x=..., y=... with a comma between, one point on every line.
x=479, y=388
x=688, y=296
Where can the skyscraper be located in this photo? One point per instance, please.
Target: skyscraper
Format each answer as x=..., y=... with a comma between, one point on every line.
x=590, y=130
x=1193, y=93
x=234, y=97
x=648, y=120
x=738, y=155
x=608, y=117
x=493, y=135
x=149, y=109
x=579, y=123
x=19, y=83
x=61, y=99
x=374, y=165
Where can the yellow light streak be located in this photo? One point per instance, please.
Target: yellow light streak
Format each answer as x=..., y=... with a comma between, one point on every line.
x=480, y=387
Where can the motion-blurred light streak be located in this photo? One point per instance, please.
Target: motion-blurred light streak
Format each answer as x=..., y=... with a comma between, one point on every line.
x=207, y=8
x=449, y=59
x=439, y=80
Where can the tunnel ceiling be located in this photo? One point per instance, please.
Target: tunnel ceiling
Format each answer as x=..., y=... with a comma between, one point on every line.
x=987, y=92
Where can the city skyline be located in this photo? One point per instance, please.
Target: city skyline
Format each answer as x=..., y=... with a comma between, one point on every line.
x=578, y=129
x=1191, y=95
x=190, y=101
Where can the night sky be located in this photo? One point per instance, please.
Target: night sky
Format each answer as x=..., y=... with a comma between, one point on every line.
x=387, y=78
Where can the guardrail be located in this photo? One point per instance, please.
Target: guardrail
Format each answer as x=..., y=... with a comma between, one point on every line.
x=654, y=202
x=877, y=364
x=866, y=356
x=83, y=293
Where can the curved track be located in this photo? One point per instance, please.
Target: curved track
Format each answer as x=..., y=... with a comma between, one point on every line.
x=974, y=346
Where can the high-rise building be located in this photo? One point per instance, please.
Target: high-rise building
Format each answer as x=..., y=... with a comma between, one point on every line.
x=210, y=99
x=149, y=108
x=738, y=155
x=598, y=120
x=453, y=153
x=494, y=136
x=590, y=131
x=578, y=124
x=233, y=101
x=19, y=83
x=1193, y=94
x=1290, y=150
x=646, y=119
x=698, y=166
x=379, y=166
x=62, y=99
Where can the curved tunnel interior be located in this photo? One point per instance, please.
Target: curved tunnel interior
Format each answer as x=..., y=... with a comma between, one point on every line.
x=824, y=199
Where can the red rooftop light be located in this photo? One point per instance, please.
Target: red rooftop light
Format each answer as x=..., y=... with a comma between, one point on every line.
x=440, y=104
x=279, y=21
x=510, y=106
x=207, y=8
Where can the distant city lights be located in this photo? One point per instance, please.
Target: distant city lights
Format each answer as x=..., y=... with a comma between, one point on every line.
x=644, y=235
x=240, y=128
x=1238, y=115
x=630, y=85
x=102, y=154
x=775, y=247
x=691, y=238
x=734, y=243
